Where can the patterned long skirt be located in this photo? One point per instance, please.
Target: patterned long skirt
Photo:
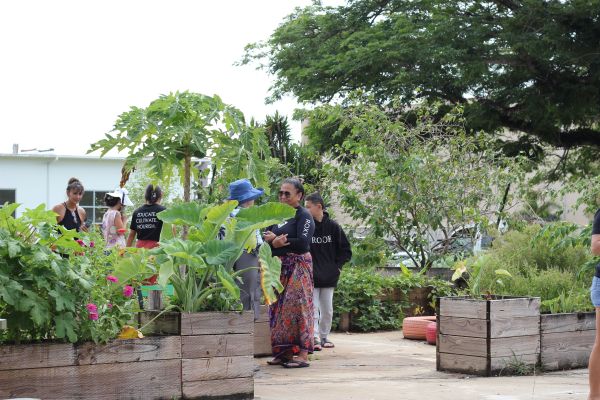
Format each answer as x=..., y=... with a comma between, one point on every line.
x=291, y=316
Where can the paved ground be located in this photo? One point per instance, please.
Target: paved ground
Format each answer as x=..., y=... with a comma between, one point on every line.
x=381, y=366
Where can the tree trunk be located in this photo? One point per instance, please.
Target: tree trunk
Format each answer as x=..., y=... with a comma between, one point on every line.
x=186, y=187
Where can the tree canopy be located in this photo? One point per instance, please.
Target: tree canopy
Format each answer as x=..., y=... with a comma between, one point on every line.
x=530, y=66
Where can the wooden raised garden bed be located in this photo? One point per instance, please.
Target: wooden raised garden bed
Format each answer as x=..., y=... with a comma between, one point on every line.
x=487, y=337
x=210, y=356
x=566, y=340
x=262, y=333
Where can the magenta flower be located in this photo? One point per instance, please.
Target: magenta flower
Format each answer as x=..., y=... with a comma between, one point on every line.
x=81, y=242
x=93, y=316
x=91, y=307
x=92, y=244
x=112, y=278
x=127, y=291
x=109, y=305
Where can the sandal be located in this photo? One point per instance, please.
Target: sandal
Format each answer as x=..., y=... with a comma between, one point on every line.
x=278, y=361
x=317, y=345
x=295, y=364
x=326, y=344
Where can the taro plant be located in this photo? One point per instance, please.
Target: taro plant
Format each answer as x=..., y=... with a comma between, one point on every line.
x=200, y=268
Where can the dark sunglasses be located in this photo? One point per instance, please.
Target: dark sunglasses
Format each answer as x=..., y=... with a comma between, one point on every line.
x=285, y=193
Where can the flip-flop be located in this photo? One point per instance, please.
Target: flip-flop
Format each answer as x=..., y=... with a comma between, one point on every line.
x=277, y=361
x=326, y=344
x=317, y=345
x=295, y=364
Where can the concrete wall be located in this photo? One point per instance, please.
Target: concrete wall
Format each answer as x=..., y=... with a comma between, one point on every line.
x=43, y=178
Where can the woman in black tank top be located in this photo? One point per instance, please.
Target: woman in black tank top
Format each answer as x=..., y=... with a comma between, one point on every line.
x=70, y=215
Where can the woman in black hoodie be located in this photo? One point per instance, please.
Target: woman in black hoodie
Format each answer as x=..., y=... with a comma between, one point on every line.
x=330, y=250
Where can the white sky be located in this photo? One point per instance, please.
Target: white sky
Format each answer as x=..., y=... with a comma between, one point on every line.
x=70, y=67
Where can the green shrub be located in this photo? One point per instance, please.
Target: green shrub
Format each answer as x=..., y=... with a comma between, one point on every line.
x=362, y=293
x=542, y=262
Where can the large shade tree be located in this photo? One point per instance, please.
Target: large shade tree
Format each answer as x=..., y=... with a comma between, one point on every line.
x=530, y=66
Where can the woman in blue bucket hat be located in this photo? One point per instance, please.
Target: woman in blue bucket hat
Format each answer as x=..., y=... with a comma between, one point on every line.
x=245, y=194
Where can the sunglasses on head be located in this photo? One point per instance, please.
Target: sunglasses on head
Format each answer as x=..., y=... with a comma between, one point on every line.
x=284, y=193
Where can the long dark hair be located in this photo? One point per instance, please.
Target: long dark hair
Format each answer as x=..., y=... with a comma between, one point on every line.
x=297, y=184
x=153, y=194
x=74, y=185
x=316, y=198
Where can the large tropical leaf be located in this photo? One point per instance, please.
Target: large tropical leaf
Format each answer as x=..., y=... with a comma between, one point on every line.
x=221, y=252
x=191, y=214
x=228, y=282
x=132, y=267
x=215, y=218
x=262, y=216
x=270, y=270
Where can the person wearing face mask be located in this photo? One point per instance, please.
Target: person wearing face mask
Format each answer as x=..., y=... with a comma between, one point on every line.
x=69, y=214
x=114, y=219
x=291, y=316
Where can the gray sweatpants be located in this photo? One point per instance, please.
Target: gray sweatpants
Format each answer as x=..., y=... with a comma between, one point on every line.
x=323, y=311
x=250, y=290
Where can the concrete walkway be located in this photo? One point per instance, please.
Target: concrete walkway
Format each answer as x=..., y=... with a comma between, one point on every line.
x=381, y=366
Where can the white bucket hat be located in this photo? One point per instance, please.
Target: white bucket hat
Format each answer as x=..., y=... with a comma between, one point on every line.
x=121, y=193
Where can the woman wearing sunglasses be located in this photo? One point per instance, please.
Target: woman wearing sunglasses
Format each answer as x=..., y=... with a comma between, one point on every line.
x=291, y=316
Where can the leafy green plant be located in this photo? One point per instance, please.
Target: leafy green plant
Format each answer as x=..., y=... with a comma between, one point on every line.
x=407, y=180
x=201, y=267
x=545, y=262
x=54, y=286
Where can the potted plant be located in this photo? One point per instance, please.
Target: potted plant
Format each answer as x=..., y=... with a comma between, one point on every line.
x=486, y=334
x=216, y=340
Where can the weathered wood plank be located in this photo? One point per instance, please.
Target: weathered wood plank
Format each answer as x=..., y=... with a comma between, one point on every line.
x=166, y=324
x=263, y=315
x=210, y=323
x=262, y=338
x=516, y=345
x=463, y=364
x=138, y=380
x=565, y=350
x=504, y=365
x=459, y=326
x=569, y=322
x=39, y=355
x=520, y=326
x=463, y=307
x=515, y=307
x=468, y=346
x=217, y=345
x=206, y=369
x=472, y=346
x=239, y=388
x=119, y=351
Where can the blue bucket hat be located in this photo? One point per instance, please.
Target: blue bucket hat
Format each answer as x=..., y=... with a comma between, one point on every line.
x=242, y=191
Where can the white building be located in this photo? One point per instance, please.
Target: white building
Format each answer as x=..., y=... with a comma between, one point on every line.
x=33, y=179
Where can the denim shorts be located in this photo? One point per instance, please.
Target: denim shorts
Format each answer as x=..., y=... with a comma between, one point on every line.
x=595, y=291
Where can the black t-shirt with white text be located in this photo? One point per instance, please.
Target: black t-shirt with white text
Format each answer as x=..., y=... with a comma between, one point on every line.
x=300, y=231
x=145, y=222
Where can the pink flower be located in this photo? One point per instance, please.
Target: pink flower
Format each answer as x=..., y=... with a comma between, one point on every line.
x=93, y=316
x=91, y=307
x=112, y=278
x=92, y=244
x=81, y=242
x=109, y=305
x=127, y=291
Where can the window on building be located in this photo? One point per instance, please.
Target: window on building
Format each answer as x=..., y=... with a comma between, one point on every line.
x=93, y=204
x=7, y=195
